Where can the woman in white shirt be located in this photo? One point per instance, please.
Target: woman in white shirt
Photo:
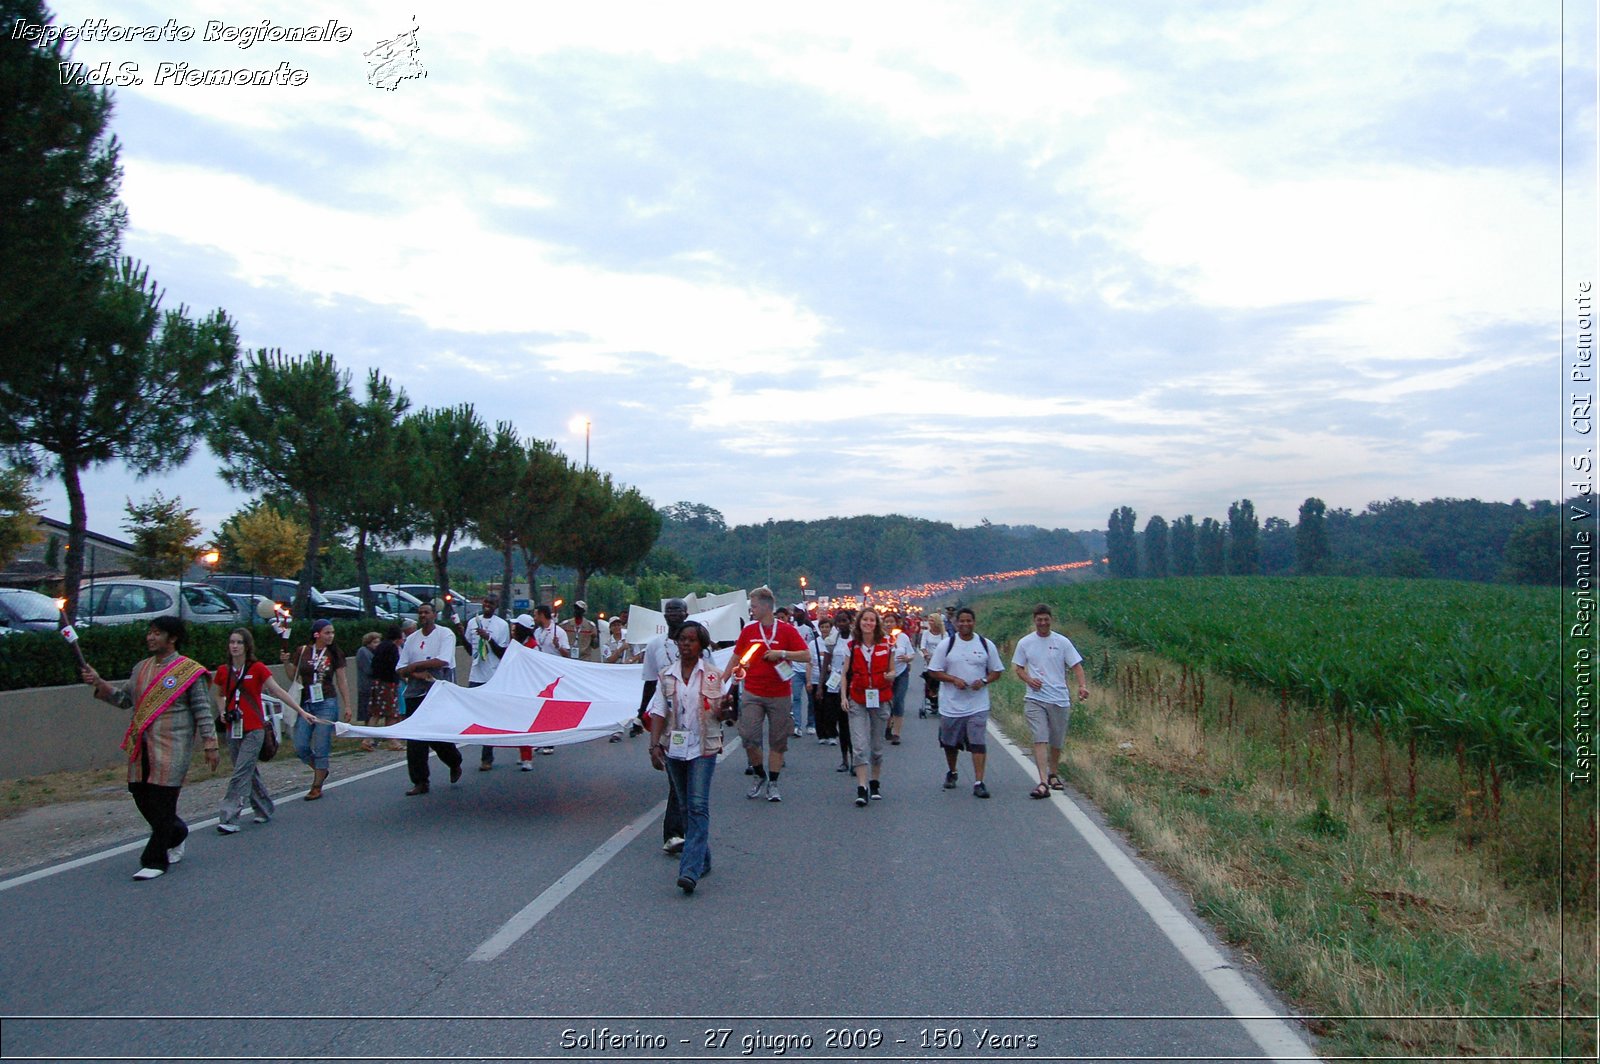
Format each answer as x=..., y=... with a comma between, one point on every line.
x=686, y=715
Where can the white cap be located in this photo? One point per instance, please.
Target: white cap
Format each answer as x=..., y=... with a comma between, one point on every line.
x=525, y=620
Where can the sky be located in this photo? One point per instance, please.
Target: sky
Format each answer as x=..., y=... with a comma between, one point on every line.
x=1023, y=262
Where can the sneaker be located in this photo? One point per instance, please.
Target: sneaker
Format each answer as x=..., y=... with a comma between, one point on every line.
x=175, y=854
x=797, y=733
x=616, y=737
x=756, y=788
x=949, y=781
x=810, y=730
x=547, y=749
x=672, y=845
x=833, y=742
x=150, y=873
x=227, y=829
x=686, y=884
x=873, y=791
x=772, y=792
x=979, y=790
x=822, y=742
x=527, y=766
x=861, y=797
x=259, y=819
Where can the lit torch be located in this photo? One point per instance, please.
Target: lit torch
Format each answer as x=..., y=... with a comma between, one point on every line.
x=282, y=620
x=70, y=635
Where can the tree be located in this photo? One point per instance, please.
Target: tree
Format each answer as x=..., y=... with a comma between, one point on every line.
x=1122, y=552
x=1155, y=547
x=1311, y=537
x=1182, y=542
x=450, y=475
x=291, y=424
x=136, y=386
x=19, y=518
x=543, y=496
x=1210, y=547
x=1533, y=553
x=59, y=175
x=266, y=541
x=374, y=502
x=492, y=517
x=1244, y=533
x=605, y=529
x=165, y=537
x=95, y=371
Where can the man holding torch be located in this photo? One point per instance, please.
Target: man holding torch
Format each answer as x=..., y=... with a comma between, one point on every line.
x=763, y=660
x=171, y=704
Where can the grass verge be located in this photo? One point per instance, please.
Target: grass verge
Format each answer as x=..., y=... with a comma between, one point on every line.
x=1399, y=909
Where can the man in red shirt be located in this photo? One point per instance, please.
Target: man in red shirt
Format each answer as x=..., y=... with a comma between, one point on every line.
x=763, y=660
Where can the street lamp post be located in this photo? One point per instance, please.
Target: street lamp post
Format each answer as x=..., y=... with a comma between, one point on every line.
x=586, y=423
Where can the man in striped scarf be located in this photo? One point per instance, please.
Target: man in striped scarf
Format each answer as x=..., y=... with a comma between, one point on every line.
x=171, y=704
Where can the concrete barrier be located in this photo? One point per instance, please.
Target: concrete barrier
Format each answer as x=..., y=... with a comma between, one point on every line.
x=67, y=729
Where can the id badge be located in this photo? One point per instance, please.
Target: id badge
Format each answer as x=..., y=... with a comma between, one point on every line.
x=677, y=738
x=873, y=699
x=314, y=693
x=784, y=669
x=236, y=729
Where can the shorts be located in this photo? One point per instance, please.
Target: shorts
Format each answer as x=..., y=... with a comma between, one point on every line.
x=965, y=733
x=777, y=712
x=1047, y=721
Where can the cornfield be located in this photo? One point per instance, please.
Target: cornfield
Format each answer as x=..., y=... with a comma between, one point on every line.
x=1471, y=668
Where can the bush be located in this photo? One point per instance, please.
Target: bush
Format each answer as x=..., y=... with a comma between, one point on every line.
x=43, y=659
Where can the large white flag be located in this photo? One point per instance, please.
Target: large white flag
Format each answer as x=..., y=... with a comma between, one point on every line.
x=533, y=699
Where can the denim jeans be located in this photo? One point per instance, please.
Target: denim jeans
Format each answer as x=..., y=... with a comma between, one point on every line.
x=313, y=741
x=799, y=703
x=691, y=782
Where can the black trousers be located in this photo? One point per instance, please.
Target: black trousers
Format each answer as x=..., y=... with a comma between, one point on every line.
x=159, y=807
x=417, y=758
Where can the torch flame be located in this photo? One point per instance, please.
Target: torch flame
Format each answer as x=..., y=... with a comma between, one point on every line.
x=748, y=654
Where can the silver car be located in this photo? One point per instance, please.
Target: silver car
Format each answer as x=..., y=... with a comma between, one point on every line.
x=389, y=599
x=126, y=600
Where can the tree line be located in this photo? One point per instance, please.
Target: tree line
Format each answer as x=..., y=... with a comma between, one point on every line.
x=891, y=550
x=1459, y=539
x=96, y=370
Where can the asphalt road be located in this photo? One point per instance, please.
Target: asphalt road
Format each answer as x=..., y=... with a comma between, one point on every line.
x=533, y=916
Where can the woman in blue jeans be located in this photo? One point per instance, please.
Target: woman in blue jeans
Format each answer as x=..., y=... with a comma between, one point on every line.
x=318, y=667
x=686, y=715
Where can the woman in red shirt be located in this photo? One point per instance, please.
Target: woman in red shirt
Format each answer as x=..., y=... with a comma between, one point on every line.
x=239, y=685
x=868, y=689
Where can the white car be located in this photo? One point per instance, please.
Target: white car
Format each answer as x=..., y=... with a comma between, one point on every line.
x=388, y=597
x=126, y=600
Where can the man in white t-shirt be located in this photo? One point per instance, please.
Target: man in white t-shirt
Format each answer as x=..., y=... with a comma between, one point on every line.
x=965, y=665
x=488, y=635
x=428, y=657
x=1042, y=660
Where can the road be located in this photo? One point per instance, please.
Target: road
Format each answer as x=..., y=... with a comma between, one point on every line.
x=532, y=916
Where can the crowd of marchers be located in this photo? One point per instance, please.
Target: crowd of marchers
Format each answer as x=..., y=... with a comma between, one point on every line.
x=841, y=677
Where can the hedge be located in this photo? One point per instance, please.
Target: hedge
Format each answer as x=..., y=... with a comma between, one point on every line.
x=43, y=659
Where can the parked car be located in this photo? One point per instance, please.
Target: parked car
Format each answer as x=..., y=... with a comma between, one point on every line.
x=353, y=602
x=388, y=597
x=27, y=611
x=251, y=604
x=282, y=591
x=464, y=608
x=125, y=600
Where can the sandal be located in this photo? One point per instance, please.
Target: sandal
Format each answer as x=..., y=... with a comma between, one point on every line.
x=314, y=793
x=1040, y=791
x=1055, y=783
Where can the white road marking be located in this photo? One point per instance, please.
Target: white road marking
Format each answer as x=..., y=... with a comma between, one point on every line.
x=557, y=892
x=130, y=847
x=1273, y=1035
